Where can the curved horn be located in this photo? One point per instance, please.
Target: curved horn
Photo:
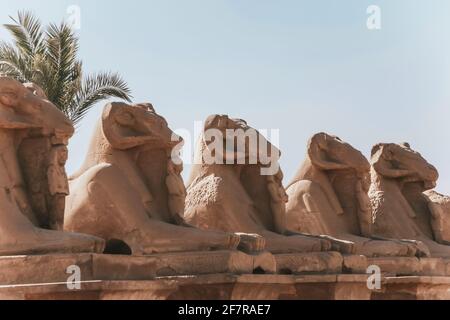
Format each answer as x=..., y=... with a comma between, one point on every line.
x=216, y=127
x=117, y=127
x=10, y=91
x=316, y=151
x=381, y=157
x=214, y=121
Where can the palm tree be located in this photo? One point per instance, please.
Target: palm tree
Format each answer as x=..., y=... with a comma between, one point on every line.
x=48, y=57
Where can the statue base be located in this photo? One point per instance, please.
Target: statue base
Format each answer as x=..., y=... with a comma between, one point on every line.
x=411, y=266
x=238, y=287
x=220, y=275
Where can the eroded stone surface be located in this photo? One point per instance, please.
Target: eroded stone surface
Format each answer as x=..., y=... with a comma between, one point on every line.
x=33, y=184
x=328, y=196
x=320, y=262
x=413, y=288
x=20, y=270
x=129, y=190
x=439, y=206
x=210, y=287
x=244, y=287
x=400, y=175
x=401, y=266
x=237, y=196
x=355, y=264
x=51, y=268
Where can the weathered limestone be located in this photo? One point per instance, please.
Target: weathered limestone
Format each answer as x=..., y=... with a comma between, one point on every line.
x=413, y=288
x=309, y=263
x=33, y=136
x=237, y=197
x=439, y=206
x=25, y=270
x=400, y=175
x=328, y=196
x=50, y=268
x=240, y=287
x=205, y=287
x=127, y=194
x=130, y=198
x=356, y=264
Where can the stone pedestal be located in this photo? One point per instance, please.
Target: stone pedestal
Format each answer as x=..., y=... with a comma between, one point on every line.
x=202, y=287
x=413, y=288
x=309, y=263
x=411, y=266
x=239, y=287
x=222, y=275
x=355, y=264
x=53, y=268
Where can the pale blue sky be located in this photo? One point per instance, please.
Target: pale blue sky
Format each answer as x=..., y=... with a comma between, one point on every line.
x=301, y=66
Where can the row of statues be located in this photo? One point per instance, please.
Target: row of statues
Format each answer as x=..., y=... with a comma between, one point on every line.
x=128, y=197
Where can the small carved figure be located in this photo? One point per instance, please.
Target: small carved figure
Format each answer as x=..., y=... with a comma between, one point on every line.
x=58, y=185
x=176, y=189
x=439, y=206
x=278, y=200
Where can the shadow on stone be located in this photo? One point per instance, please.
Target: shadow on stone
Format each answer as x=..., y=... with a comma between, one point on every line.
x=115, y=246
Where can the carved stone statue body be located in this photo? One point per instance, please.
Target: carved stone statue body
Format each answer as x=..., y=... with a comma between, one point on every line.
x=121, y=192
x=237, y=197
x=439, y=206
x=400, y=175
x=329, y=196
x=30, y=126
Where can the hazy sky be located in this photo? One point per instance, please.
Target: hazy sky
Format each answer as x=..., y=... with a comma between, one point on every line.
x=300, y=66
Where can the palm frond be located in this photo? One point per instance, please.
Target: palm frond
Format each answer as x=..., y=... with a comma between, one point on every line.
x=49, y=59
x=45, y=76
x=62, y=48
x=95, y=88
x=27, y=33
x=13, y=64
x=74, y=85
